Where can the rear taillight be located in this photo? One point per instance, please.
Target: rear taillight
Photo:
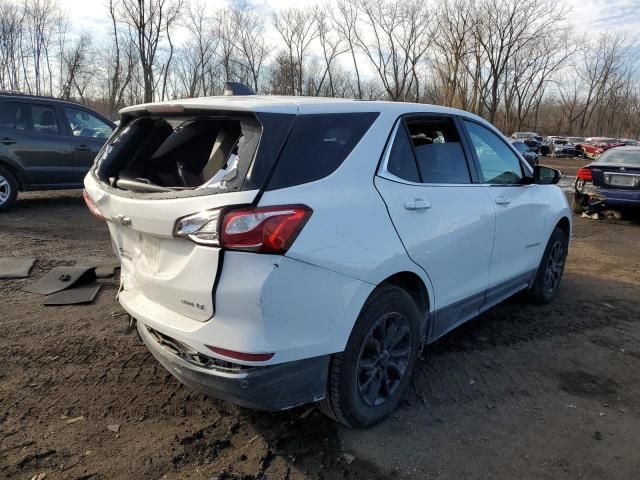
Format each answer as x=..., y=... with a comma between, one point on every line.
x=270, y=229
x=584, y=174
x=264, y=229
x=93, y=208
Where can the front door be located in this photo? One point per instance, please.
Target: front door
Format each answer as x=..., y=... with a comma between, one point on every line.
x=88, y=134
x=445, y=221
x=520, y=213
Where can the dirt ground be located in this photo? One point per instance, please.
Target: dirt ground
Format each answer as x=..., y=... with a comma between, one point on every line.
x=530, y=392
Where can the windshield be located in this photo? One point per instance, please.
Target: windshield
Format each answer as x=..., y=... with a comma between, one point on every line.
x=617, y=156
x=560, y=142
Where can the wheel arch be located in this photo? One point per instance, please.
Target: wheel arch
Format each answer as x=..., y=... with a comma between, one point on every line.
x=15, y=171
x=565, y=225
x=414, y=286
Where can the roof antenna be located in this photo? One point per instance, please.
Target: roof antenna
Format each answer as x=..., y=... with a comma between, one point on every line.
x=236, y=88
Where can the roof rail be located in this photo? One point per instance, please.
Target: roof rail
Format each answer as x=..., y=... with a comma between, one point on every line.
x=236, y=88
x=23, y=94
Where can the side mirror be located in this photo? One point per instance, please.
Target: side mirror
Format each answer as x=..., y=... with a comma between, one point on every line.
x=545, y=175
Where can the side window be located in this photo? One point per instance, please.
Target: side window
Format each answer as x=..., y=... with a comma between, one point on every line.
x=438, y=150
x=85, y=124
x=12, y=116
x=317, y=146
x=44, y=119
x=498, y=163
x=402, y=163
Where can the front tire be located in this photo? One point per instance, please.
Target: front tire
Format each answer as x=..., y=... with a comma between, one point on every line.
x=8, y=189
x=368, y=379
x=549, y=274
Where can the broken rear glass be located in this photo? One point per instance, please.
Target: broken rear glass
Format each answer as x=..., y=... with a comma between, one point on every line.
x=165, y=154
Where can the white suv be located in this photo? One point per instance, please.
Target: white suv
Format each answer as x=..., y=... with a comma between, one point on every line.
x=280, y=250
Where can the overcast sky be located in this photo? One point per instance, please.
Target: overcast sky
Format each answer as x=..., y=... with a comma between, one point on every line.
x=586, y=15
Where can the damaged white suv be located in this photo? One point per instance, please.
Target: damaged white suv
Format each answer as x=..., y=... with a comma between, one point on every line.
x=281, y=250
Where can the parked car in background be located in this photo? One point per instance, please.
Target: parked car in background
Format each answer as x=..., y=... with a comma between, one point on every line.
x=596, y=146
x=577, y=143
x=252, y=278
x=613, y=180
x=561, y=147
x=532, y=139
x=545, y=145
x=46, y=144
x=529, y=155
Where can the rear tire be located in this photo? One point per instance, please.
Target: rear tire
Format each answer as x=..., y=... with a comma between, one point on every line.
x=549, y=274
x=368, y=379
x=8, y=189
x=576, y=205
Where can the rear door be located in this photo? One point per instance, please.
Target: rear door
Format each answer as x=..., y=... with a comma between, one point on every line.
x=445, y=221
x=520, y=212
x=87, y=133
x=42, y=148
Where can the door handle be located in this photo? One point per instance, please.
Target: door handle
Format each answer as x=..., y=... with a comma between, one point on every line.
x=417, y=204
x=502, y=200
x=83, y=148
x=7, y=141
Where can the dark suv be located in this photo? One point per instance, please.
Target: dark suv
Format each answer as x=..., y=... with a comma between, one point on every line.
x=46, y=144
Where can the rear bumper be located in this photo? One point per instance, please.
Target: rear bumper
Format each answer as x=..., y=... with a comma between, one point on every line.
x=272, y=387
x=611, y=197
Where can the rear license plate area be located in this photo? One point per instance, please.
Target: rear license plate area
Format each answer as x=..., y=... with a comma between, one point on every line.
x=622, y=180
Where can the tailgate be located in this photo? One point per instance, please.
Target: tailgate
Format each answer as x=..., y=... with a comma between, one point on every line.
x=173, y=272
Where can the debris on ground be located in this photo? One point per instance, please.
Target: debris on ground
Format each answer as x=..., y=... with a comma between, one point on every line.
x=597, y=435
x=348, y=458
x=105, y=266
x=114, y=427
x=73, y=296
x=74, y=420
x=61, y=278
x=15, y=267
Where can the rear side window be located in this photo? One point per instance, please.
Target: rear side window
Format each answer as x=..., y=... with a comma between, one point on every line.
x=317, y=146
x=44, y=119
x=438, y=151
x=402, y=163
x=12, y=115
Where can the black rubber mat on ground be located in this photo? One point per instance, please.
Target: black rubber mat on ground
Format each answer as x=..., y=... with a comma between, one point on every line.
x=105, y=266
x=72, y=296
x=61, y=278
x=15, y=267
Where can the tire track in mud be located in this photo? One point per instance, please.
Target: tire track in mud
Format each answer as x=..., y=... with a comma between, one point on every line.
x=515, y=351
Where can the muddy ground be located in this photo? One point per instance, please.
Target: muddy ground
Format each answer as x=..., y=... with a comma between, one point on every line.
x=521, y=392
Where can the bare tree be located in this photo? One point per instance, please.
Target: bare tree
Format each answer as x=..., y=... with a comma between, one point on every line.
x=345, y=19
x=297, y=29
x=251, y=50
x=398, y=36
x=11, y=26
x=149, y=22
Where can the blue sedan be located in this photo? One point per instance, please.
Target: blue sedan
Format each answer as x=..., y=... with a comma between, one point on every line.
x=612, y=181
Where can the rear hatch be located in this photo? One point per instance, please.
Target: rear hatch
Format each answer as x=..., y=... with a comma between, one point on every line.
x=162, y=166
x=618, y=168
